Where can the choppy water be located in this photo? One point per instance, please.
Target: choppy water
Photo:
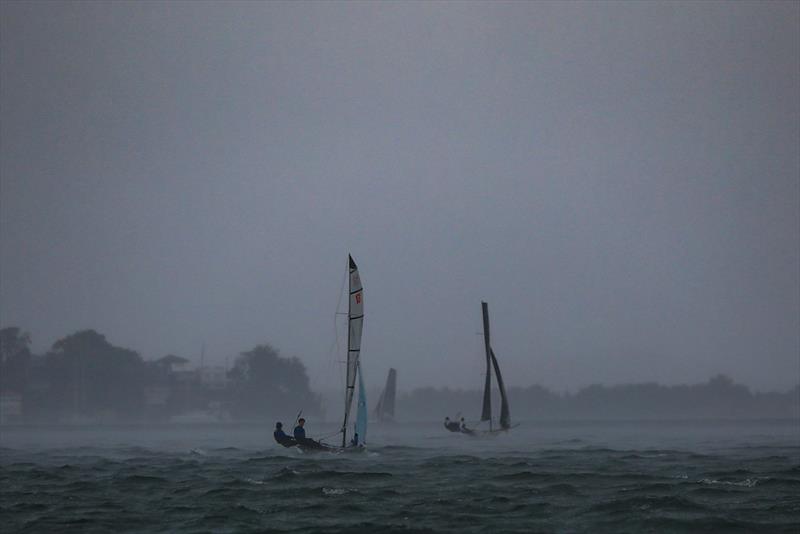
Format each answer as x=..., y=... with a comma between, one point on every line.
x=544, y=477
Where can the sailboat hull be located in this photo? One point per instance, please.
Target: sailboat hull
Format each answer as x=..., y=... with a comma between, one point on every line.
x=497, y=431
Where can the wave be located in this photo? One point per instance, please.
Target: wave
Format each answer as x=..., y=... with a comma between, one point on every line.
x=456, y=459
x=525, y=475
x=776, y=481
x=712, y=524
x=141, y=479
x=570, y=486
x=730, y=473
x=562, y=489
x=335, y=491
x=370, y=526
x=358, y=475
x=647, y=502
x=649, y=489
x=288, y=473
x=397, y=448
x=746, y=483
x=712, y=491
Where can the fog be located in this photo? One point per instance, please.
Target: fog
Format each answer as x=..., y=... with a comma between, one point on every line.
x=620, y=181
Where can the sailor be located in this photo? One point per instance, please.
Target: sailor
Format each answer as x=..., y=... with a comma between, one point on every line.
x=464, y=426
x=299, y=431
x=452, y=426
x=281, y=436
x=354, y=441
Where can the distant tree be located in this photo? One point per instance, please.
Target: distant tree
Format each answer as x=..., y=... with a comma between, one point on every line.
x=88, y=375
x=265, y=384
x=15, y=360
x=723, y=397
x=719, y=397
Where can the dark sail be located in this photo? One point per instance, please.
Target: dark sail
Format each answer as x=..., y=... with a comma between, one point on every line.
x=389, y=394
x=505, y=416
x=385, y=408
x=486, y=414
x=379, y=407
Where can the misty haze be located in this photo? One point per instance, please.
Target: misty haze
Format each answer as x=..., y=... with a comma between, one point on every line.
x=216, y=217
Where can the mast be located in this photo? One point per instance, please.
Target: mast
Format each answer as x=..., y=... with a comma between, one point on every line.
x=486, y=414
x=355, y=321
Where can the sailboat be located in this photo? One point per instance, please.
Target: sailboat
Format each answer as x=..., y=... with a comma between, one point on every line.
x=491, y=361
x=486, y=412
x=384, y=411
x=355, y=322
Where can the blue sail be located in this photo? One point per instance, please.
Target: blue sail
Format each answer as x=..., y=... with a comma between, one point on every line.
x=361, y=412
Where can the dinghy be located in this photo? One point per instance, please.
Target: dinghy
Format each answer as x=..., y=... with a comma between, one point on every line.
x=355, y=322
x=486, y=412
x=384, y=410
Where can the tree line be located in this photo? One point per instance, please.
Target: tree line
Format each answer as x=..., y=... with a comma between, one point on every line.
x=719, y=397
x=85, y=377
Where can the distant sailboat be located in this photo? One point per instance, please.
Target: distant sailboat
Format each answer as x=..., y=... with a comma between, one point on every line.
x=491, y=361
x=486, y=412
x=384, y=411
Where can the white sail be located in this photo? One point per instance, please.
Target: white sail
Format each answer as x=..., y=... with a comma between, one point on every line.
x=355, y=321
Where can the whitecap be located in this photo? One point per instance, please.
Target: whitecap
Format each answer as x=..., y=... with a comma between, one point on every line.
x=746, y=483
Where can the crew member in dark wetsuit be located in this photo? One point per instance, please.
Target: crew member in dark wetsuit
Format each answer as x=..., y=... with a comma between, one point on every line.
x=354, y=441
x=299, y=431
x=281, y=436
x=464, y=428
x=452, y=426
x=302, y=440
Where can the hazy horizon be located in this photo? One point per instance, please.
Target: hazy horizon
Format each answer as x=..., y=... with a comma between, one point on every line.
x=619, y=181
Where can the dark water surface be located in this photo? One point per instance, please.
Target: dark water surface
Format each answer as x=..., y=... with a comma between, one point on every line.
x=543, y=477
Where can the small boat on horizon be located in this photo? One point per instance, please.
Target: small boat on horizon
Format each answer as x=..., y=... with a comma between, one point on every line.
x=384, y=410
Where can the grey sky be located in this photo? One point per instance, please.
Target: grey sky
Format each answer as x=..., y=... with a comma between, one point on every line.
x=620, y=181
